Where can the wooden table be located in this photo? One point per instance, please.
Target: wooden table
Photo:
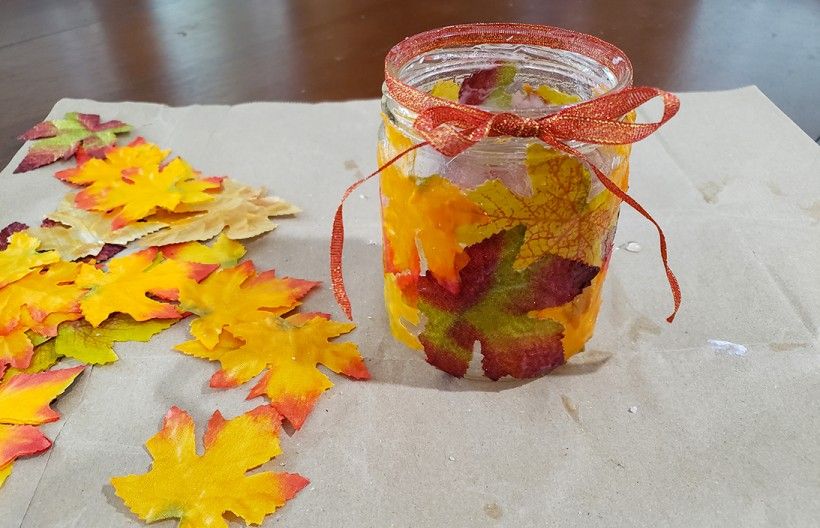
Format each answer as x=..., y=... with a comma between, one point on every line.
x=183, y=52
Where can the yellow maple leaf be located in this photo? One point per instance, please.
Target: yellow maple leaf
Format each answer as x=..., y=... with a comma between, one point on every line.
x=38, y=302
x=290, y=349
x=238, y=294
x=24, y=404
x=240, y=211
x=199, y=489
x=124, y=287
x=99, y=174
x=558, y=217
x=21, y=257
x=223, y=251
x=141, y=191
x=84, y=232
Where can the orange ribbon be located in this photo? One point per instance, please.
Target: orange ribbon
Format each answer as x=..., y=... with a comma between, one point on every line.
x=451, y=128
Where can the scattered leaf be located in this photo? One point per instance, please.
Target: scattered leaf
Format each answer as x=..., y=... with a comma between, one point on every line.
x=60, y=138
x=290, y=350
x=20, y=440
x=141, y=191
x=6, y=232
x=125, y=286
x=238, y=294
x=242, y=212
x=100, y=174
x=558, y=218
x=43, y=358
x=94, y=346
x=21, y=257
x=200, y=489
x=493, y=309
x=223, y=251
x=85, y=233
x=25, y=398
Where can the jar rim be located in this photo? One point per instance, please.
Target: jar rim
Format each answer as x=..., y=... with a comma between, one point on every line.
x=463, y=35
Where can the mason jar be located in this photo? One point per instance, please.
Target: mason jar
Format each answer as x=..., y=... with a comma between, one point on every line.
x=495, y=258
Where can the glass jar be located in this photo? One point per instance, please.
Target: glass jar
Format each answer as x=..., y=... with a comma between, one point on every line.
x=494, y=258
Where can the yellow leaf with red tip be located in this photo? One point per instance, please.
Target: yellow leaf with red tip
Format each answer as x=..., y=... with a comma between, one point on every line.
x=125, y=286
x=199, y=489
x=141, y=191
x=43, y=358
x=15, y=349
x=290, y=349
x=223, y=251
x=238, y=294
x=25, y=398
x=21, y=257
x=100, y=174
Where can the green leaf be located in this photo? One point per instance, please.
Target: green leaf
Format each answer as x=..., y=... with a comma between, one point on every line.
x=94, y=346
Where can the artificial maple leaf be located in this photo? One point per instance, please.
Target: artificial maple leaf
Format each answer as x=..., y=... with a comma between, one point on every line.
x=38, y=302
x=60, y=138
x=85, y=233
x=493, y=309
x=241, y=212
x=98, y=174
x=21, y=257
x=435, y=212
x=488, y=85
x=143, y=190
x=223, y=251
x=199, y=489
x=290, y=350
x=124, y=287
x=94, y=346
x=24, y=403
x=6, y=232
x=557, y=216
x=238, y=294
x=43, y=358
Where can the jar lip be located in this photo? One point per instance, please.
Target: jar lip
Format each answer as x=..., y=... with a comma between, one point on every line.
x=463, y=35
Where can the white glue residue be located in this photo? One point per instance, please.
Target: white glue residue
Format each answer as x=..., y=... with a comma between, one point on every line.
x=728, y=347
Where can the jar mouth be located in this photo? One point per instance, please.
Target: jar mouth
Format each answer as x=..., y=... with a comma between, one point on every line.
x=575, y=63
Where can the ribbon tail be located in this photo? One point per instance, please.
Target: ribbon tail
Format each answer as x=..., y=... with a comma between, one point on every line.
x=625, y=197
x=337, y=238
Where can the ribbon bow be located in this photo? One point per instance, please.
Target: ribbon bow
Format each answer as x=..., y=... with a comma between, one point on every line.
x=452, y=128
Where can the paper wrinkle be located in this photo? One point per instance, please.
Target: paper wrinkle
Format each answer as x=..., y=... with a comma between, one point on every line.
x=377, y=452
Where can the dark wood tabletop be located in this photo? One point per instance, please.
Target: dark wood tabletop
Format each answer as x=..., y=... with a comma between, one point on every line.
x=183, y=52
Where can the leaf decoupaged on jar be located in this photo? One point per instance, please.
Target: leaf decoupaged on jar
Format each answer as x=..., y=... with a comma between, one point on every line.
x=60, y=138
x=558, y=218
x=199, y=489
x=289, y=350
x=493, y=308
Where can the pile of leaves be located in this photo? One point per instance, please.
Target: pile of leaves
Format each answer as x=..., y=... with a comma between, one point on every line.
x=64, y=295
